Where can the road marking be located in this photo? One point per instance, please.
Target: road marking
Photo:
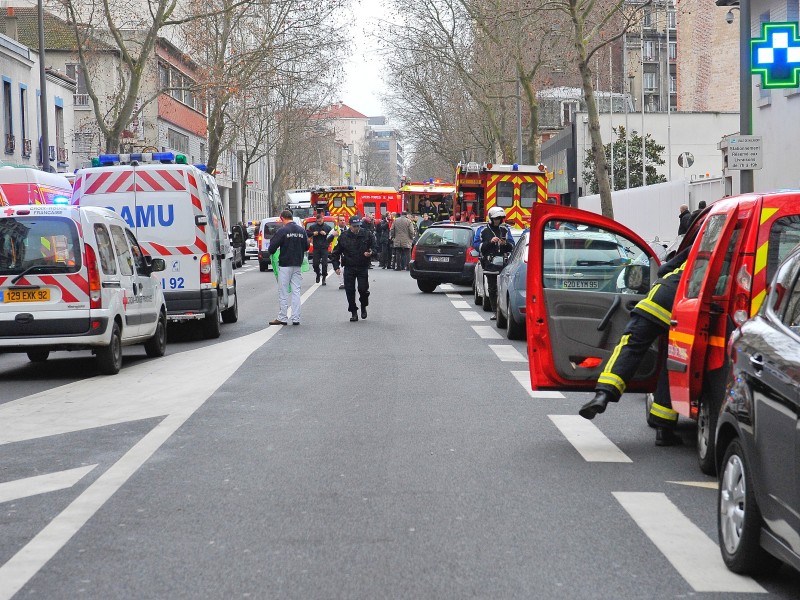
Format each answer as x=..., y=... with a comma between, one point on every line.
x=507, y=353
x=460, y=303
x=455, y=296
x=446, y=287
x=470, y=315
x=709, y=485
x=41, y=484
x=487, y=332
x=588, y=439
x=693, y=554
x=524, y=378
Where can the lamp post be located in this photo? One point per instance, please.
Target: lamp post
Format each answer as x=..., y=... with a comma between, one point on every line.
x=45, y=138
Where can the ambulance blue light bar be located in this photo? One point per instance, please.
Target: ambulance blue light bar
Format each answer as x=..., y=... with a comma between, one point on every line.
x=105, y=160
x=60, y=200
x=203, y=168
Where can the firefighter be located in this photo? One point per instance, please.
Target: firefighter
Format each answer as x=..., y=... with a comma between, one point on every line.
x=649, y=319
x=496, y=242
x=318, y=232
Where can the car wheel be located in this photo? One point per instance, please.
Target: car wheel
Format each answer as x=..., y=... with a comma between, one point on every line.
x=109, y=358
x=478, y=297
x=38, y=356
x=426, y=286
x=211, y=327
x=739, y=518
x=157, y=345
x=706, y=435
x=649, y=398
x=516, y=329
x=231, y=315
x=500, y=319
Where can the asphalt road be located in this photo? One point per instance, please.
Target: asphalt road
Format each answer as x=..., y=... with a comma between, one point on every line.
x=399, y=457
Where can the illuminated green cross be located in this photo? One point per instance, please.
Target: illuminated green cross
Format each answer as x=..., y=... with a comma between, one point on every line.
x=776, y=55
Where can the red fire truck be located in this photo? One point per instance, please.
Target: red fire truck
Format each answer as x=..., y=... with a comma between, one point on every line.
x=348, y=200
x=514, y=188
x=415, y=193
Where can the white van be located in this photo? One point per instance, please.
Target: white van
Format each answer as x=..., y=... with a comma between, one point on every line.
x=177, y=214
x=77, y=279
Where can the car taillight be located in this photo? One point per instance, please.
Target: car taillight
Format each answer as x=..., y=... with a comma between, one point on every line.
x=95, y=287
x=258, y=239
x=414, y=252
x=741, y=303
x=470, y=257
x=205, y=269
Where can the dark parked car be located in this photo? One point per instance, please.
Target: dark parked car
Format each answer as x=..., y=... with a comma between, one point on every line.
x=444, y=254
x=758, y=435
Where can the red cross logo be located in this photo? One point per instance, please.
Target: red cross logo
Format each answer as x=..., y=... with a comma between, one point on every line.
x=9, y=212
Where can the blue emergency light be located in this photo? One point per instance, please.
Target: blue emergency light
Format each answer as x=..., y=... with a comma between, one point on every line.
x=202, y=167
x=515, y=167
x=60, y=200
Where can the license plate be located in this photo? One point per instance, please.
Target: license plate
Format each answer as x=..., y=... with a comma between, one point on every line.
x=26, y=295
x=439, y=258
x=580, y=284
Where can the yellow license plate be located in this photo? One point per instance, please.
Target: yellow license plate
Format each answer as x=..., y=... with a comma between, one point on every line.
x=26, y=295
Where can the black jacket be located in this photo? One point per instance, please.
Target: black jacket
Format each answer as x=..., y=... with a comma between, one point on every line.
x=320, y=242
x=382, y=232
x=293, y=242
x=350, y=248
x=685, y=220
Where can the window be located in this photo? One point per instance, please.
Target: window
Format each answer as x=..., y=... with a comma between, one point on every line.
x=446, y=236
x=673, y=50
x=713, y=229
x=188, y=95
x=527, y=194
x=176, y=83
x=138, y=256
x=647, y=19
x=784, y=235
x=60, y=145
x=8, y=123
x=163, y=75
x=672, y=19
x=649, y=81
x=673, y=84
x=381, y=145
x=505, y=194
x=30, y=241
x=178, y=141
x=568, y=110
x=105, y=249
x=350, y=201
x=23, y=121
x=81, y=97
x=649, y=50
x=123, y=252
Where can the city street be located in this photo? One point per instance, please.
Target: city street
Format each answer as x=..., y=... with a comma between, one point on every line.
x=402, y=456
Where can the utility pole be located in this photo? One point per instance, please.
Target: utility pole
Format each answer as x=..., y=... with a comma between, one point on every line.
x=45, y=139
x=745, y=91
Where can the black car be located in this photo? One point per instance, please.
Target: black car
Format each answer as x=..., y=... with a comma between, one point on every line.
x=444, y=254
x=757, y=434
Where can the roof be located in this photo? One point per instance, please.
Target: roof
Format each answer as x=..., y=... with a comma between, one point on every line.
x=58, y=34
x=342, y=111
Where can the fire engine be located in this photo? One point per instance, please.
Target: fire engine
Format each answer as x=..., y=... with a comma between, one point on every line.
x=514, y=188
x=348, y=200
x=439, y=194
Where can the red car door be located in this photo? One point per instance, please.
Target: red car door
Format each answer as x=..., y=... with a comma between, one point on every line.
x=585, y=275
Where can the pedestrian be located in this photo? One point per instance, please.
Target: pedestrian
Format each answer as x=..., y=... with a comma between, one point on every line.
x=403, y=240
x=685, y=219
x=382, y=237
x=496, y=242
x=700, y=206
x=341, y=225
x=649, y=319
x=292, y=241
x=368, y=225
x=318, y=232
x=354, y=252
x=391, y=252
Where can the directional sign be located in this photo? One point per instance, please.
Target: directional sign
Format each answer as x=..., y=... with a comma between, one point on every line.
x=776, y=55
x=744, y=152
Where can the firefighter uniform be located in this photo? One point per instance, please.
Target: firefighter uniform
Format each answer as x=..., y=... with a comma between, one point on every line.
x=649, y=319
x=318, y=234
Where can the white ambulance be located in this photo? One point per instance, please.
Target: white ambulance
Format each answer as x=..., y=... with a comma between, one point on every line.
x=177, y=214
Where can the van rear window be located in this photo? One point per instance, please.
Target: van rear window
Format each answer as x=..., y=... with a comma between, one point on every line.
x=39, y=245
x=446, y=236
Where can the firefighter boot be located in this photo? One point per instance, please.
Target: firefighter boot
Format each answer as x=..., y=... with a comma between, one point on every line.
x=666, y=436
x=596, y=405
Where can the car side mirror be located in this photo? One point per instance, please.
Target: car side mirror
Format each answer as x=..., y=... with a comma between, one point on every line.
x=474, y=253
x=157, y=264
x=637, y=278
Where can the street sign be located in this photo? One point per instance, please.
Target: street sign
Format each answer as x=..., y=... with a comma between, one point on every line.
x=685, y=159
x=745, y=152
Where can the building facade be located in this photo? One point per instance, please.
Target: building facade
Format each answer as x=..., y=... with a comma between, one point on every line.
x=387, y=149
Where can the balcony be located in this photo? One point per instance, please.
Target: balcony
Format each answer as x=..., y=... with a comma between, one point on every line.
x=81, y=100
x=10, y=143
x=27, y=148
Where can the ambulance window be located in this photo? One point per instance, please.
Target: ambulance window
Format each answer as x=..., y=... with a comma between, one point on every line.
x=792, y=316
x=105, y=249
x=708, y=241
x=725, y=274
x=337, y=202
x=123, y=252
x=784, y=235
x=138, y=255
x=38, y=241
x=527, y=194
x=350, y=201
x=505, y=194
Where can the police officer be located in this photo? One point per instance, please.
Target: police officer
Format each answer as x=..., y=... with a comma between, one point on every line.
x=318, y=232
x=354, y=251
x=496, y=240
x=649, y=319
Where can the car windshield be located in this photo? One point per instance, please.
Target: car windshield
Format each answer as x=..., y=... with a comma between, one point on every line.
x=270, y=229
x=446, y=236
x=39, y=245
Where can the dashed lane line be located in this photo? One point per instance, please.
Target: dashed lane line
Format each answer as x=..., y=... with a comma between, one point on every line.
x=588, y=440
x=446, y=287
x=524, y=379
x=470, y=315
x=455, y=296
x=487, y=332
x=460, y=304
x=693, y=554
x=41, y=484
x=507, y=353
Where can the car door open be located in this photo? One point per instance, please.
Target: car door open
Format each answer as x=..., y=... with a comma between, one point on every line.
x=585, y=274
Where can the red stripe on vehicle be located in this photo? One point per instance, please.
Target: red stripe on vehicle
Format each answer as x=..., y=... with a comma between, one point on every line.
x=66, y=295
x=123, y=178
x=80, y=281
x=192, y=181
x=201, y=245
x=99, y=181
x=155, y=186
x=176, y=185
x=184, y=250
x=196, y=202
x=161, y=249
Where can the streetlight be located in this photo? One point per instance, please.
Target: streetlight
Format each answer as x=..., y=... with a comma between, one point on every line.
x=45, y=139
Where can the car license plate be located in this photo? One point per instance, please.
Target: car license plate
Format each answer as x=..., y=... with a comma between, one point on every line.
x=580, y=284
x=439, y=258
x=26, y=295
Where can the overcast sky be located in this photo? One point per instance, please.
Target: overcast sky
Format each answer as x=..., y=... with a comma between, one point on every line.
x=363, y=82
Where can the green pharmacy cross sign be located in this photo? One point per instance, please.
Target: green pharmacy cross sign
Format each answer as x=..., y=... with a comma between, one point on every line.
x=776, y=55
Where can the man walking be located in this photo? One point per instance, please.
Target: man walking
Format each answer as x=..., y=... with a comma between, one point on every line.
x=292, y=241
x=403, y=240
x=318, y=235
x=382, y=235
x=354, y=251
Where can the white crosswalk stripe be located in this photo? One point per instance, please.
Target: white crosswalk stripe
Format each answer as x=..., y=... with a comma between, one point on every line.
x=487, y=332
x=588, y=440
x=460, y=303
x=507, y=353
x=455, y=296
x=524, y=379
x=693, y=554
x=470, y=315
